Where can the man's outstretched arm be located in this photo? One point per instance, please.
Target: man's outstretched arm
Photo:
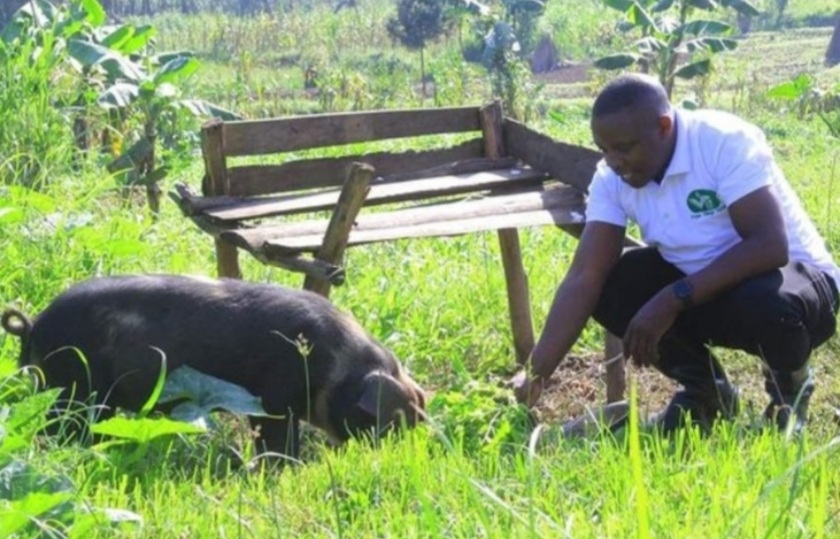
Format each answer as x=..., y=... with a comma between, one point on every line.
x=574, y=302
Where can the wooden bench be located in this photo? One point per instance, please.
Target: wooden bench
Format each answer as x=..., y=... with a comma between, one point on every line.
x=501, y=176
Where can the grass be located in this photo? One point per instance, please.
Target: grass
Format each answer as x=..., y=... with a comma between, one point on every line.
x=439, y=304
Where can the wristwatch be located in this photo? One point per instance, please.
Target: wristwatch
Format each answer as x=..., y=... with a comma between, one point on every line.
x=684, y=292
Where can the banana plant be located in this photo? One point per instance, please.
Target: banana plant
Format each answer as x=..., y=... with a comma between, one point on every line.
x=504, y=31
x=669, y=32
x=135, y=81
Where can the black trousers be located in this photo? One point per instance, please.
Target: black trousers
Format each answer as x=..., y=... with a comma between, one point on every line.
x=780, y=316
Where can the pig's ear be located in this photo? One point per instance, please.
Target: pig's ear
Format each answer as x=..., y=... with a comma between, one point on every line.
x=384, y=397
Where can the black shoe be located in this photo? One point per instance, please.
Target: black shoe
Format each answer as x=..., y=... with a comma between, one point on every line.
x=701, y=408
x=790, y=394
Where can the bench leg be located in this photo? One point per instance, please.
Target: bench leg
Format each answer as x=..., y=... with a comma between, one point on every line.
x=614, y=368
x=227, y=260
x=350, y=201
x=519, y=302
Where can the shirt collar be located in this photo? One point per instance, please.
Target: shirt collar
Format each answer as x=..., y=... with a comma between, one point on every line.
x=681, y=160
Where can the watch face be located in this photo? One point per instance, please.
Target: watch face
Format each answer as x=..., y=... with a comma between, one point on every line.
x=683, y=290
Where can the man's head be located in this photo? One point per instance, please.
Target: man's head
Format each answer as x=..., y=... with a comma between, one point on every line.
x=633, y=125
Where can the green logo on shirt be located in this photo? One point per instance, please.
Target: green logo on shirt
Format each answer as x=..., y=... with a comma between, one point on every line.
x=704, y=202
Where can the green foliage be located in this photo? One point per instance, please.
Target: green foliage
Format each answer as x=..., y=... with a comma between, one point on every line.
x=502, y=53
x=118, y=71
x=668, y=30
x=480, y=418
x=812, y=98
x=31, y=501
x=417, y=22
x=203, y=394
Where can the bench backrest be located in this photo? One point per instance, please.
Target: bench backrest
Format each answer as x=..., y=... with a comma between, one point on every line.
x=222, y=141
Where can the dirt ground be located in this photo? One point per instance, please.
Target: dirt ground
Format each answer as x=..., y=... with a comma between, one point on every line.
x=579, y=384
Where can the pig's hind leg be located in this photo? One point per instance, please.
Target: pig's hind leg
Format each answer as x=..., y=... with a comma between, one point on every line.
x=80, y=401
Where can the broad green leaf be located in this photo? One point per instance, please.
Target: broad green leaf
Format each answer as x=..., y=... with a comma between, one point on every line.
x=118, y=37
x=175, y=69
x=142, y=430
x=640, y=17
x=135, y=154
x=29, y=415
x=10, y=215
x=17, y=516
x=96, y=15
x=713, y=44
x=156, y=175
x=209, y=393
x=620, y=5
x=142, y=35
x=203, y=108
x=40, y=15
x=617, y=61
x=69, y=27
x=793, y=89
x=743, y=7
x=119, y=95
x=33, y=199
x=708, y=5
x=662, y=5
x=696, y=69
x=166, y=57
x=704, y=27
x=19, y=479
x=116, y=65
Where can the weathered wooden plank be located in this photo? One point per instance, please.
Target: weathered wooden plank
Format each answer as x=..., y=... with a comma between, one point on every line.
x=334, y=240
x=216, y=183
x=259, y=137
x=382, y=193
x=215, y=164
x=315, y=173
x=458, y=227
x=498, y=205
x=570, y=164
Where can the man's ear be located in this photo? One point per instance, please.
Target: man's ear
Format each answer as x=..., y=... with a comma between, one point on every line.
x=383, y=397
x=666, y=124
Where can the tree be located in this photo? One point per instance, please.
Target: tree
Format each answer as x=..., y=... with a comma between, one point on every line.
x=832, y=54
x=670, y=32
x=417, y=22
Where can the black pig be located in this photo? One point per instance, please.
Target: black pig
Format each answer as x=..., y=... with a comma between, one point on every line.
x=293, y=348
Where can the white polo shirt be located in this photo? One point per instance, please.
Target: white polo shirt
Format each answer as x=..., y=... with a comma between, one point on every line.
x=718, y=159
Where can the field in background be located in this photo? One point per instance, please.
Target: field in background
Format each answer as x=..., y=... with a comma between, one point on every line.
x=440, y=305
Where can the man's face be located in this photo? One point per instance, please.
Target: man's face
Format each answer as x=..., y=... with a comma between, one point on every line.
x=634, y=143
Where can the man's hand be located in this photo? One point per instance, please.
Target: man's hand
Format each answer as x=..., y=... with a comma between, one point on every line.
x=527, y=388
x=641, y=341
